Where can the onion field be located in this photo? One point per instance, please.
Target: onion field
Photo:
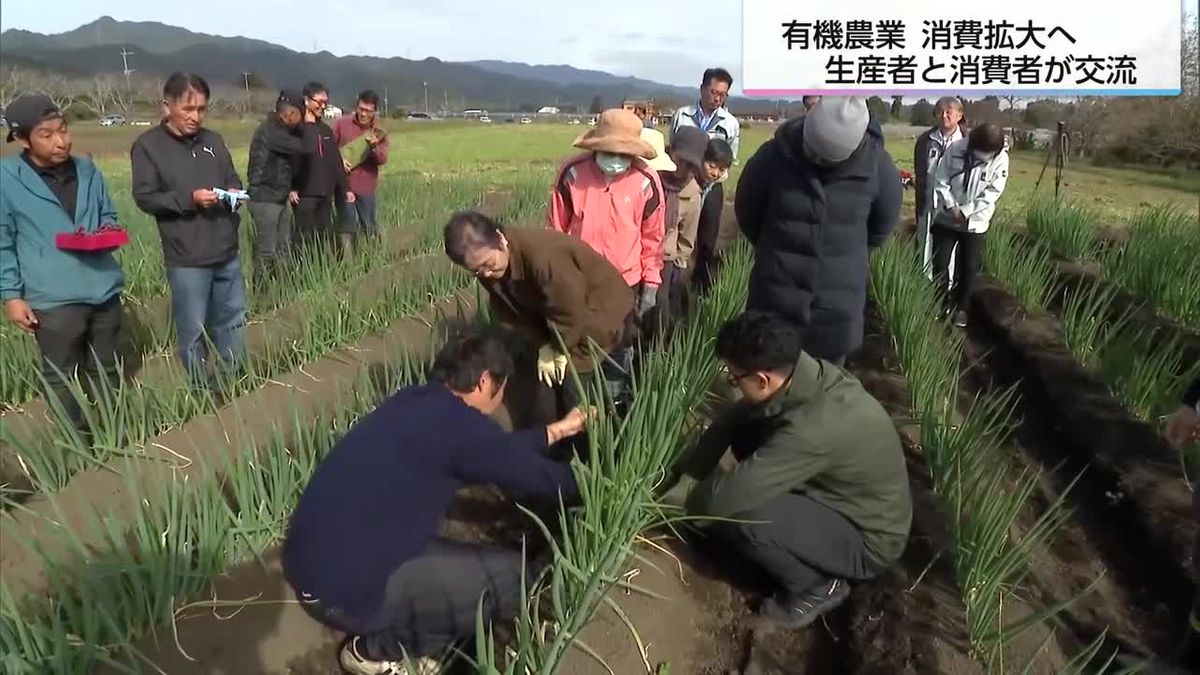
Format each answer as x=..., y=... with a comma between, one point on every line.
x=1052, y=528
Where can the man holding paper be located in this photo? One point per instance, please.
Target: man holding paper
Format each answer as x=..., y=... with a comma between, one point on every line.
x=364, y=148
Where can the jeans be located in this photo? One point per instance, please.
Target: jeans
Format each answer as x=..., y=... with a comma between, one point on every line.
x=430, y=602
x=208, y=301
x=967, y=249
x=272, y=238
x=802, y=545
x=708, y=236
x=314, y=220
x=84, y=337
x=359, y=217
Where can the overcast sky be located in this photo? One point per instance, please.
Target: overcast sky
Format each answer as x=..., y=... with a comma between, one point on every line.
x=669, y=41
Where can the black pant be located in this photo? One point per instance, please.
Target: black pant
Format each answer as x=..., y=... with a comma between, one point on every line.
x=672, y=298
x=431, y=601
x=802, y=544
x=967, y=260
x=314, y=221
x=79, y=336
x=708, y=236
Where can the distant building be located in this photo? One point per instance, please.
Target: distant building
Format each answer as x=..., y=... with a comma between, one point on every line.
x=548, y=110
x=333, y=112
x=642, y=109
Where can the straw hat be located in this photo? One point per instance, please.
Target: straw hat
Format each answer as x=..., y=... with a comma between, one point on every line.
x=662, y=161
x=619, y=132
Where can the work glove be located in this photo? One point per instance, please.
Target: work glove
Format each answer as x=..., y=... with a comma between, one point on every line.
x=551, y=365
x=647, y=299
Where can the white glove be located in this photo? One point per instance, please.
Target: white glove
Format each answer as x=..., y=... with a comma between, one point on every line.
x=552, y=366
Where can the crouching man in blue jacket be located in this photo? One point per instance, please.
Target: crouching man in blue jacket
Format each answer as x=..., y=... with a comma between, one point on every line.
x=68, y=299
x=363, y=552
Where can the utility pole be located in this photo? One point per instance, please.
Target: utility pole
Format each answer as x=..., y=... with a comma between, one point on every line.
x=125, y=54
x=445, y=101
x=425, y=85
x=385, y=101
x=246, y=79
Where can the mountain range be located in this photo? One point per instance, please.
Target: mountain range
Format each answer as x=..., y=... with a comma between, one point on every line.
x=157, y=49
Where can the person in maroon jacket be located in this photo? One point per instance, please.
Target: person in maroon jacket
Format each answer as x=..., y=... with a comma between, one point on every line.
x=362, y=164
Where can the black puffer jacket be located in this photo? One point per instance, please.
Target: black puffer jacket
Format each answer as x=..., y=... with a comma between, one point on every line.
x=275, y=152
x=812, y=228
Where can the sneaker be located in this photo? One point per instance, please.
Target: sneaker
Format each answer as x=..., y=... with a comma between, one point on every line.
x=960, y=318
x=356, y=664
x=801, y=609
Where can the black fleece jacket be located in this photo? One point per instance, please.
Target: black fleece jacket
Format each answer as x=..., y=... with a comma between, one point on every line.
x=320, y=173
x=166, y=170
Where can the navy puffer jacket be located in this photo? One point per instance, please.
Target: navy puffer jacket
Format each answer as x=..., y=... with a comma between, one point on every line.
x=812, y=228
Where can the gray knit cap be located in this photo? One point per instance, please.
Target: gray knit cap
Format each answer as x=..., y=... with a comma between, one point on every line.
x=834, y=128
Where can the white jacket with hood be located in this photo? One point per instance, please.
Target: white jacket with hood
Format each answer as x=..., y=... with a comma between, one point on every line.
x=972, y=184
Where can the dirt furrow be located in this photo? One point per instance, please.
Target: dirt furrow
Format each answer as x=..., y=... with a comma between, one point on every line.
x=1131, y=521
x=245, y=423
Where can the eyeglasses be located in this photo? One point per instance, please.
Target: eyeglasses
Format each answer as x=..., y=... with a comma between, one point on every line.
x=734, y=379
x=718, y=94
x=320, y=101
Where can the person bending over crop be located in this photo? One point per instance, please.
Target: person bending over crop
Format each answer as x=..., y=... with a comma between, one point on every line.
x=362, y=551
x=678, y=166
x=611, y=200
x=820, y=472
x=68, y=299
x=967, y=185
x=542, y=281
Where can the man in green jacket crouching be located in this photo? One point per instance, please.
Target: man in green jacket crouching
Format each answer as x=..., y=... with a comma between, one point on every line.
x=820, y=488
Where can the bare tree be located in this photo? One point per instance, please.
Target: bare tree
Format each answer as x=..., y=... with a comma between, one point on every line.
x=123, y=97
x=13, y=82
x=62, y=93
x=98, y=95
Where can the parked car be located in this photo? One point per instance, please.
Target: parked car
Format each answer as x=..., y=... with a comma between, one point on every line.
x=112, y=121
x=140, y=123
x=526, y=120
x=574, y=122
x=419, y=116
x=485, y=119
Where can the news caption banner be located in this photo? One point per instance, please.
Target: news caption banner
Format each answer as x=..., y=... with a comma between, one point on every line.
x=920, y=47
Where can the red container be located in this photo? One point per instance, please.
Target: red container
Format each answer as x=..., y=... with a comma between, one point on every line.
x=107, y=238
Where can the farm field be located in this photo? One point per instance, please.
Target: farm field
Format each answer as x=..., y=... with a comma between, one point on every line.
x=1041, y=542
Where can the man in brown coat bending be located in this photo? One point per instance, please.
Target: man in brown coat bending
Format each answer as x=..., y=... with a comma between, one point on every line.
x=542, y=281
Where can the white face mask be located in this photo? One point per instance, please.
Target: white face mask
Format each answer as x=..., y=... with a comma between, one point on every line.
x=613, y=165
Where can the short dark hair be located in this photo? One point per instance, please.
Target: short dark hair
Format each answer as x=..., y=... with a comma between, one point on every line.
x=369, y=96
x=467, y=230
x=986, y=137
x=179, y=82
x=719, y=152
x=283, y=104
x=313, y=88
x=718, y=74
x=759, y=342
x=465, y=358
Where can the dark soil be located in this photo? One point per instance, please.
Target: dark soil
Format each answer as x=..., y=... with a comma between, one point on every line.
x=248, y=422
x=1131, y=519
x=909, y=620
